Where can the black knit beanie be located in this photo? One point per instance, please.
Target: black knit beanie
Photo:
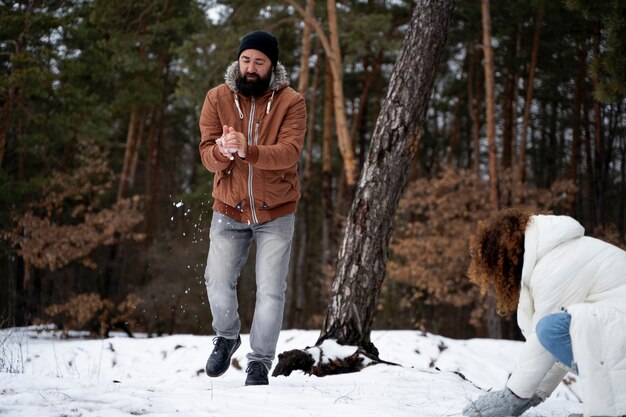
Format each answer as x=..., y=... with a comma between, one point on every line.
x=261, y=41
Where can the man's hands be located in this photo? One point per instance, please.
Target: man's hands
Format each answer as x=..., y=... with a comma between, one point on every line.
x=231, y=142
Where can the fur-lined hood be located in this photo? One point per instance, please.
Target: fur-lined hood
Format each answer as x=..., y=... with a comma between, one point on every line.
x=278, y=82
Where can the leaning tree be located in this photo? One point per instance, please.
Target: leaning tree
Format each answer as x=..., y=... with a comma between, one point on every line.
x=363, y=255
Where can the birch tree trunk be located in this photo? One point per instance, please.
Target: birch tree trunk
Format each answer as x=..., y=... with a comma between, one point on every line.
x=363, y=253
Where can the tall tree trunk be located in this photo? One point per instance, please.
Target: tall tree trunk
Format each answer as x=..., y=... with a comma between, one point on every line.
x=152, y=171
x=343, y=136
x=490, y=105
x=295, y=290
x=297, y=315
x=303, y=81
x=9, y=291
x=328, y=246
x=507, y=116
x=368, y=82
x=140, y=134
x=515, y=95
x=494, y=326
x=363, y=254
x=310, y=133
x=509, y=135
x=154, y=118
x=508, y=106
x=19, y=297
x=455, y=132
x=437, y=148
x=590, y=168
x=572, y=172
x=473, y=107
x=7, y=111
x=551, y=165
x=529, y=94
x=21, y=134
x=622, y=194
x=333, y=53
x=613, y=117
x=538, y=141
x=597, y=133
x=362, y=135
x=616, y=139
x=7, y=107
x=112, y=272
x=70, y=149
x=129, y=153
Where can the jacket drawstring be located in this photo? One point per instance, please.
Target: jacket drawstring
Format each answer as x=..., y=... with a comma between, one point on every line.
x=269, y=103
x=267, y=111
x=238, y=106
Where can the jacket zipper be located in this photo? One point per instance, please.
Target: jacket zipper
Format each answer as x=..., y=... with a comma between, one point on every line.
x=251, y=140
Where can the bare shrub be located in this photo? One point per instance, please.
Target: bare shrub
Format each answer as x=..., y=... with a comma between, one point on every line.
x=95, y=314
x=11, y=349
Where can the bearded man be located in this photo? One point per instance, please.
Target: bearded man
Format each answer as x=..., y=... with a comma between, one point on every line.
x=253, y=129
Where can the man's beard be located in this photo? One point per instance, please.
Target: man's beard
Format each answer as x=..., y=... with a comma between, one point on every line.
x=254, y=87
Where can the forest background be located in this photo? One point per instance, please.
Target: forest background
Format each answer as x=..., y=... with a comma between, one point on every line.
x=105, y=206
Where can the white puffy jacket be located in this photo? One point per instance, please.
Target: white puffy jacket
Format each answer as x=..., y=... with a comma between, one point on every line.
x=563, y=269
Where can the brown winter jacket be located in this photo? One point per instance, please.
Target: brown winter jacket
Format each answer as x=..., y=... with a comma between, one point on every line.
x=265, y=184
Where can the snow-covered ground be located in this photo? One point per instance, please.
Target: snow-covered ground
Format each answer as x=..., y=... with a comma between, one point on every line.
x=121, y=376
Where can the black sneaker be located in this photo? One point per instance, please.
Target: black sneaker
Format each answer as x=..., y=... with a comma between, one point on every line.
x=219, y=361
x=257, y=374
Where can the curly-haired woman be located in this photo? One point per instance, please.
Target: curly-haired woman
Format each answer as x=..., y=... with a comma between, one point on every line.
x=570, y=294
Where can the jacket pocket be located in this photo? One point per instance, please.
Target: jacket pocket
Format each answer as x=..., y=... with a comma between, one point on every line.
x=280, y=187
x=229, y=187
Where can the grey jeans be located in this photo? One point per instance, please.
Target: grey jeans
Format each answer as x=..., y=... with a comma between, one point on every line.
x=228, y=251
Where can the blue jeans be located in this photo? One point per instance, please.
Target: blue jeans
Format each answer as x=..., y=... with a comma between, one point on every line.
x=553, y=334
x=228, y=251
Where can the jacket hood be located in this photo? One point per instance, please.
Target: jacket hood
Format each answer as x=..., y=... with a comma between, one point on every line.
x=279, y=77
x=543, y=233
